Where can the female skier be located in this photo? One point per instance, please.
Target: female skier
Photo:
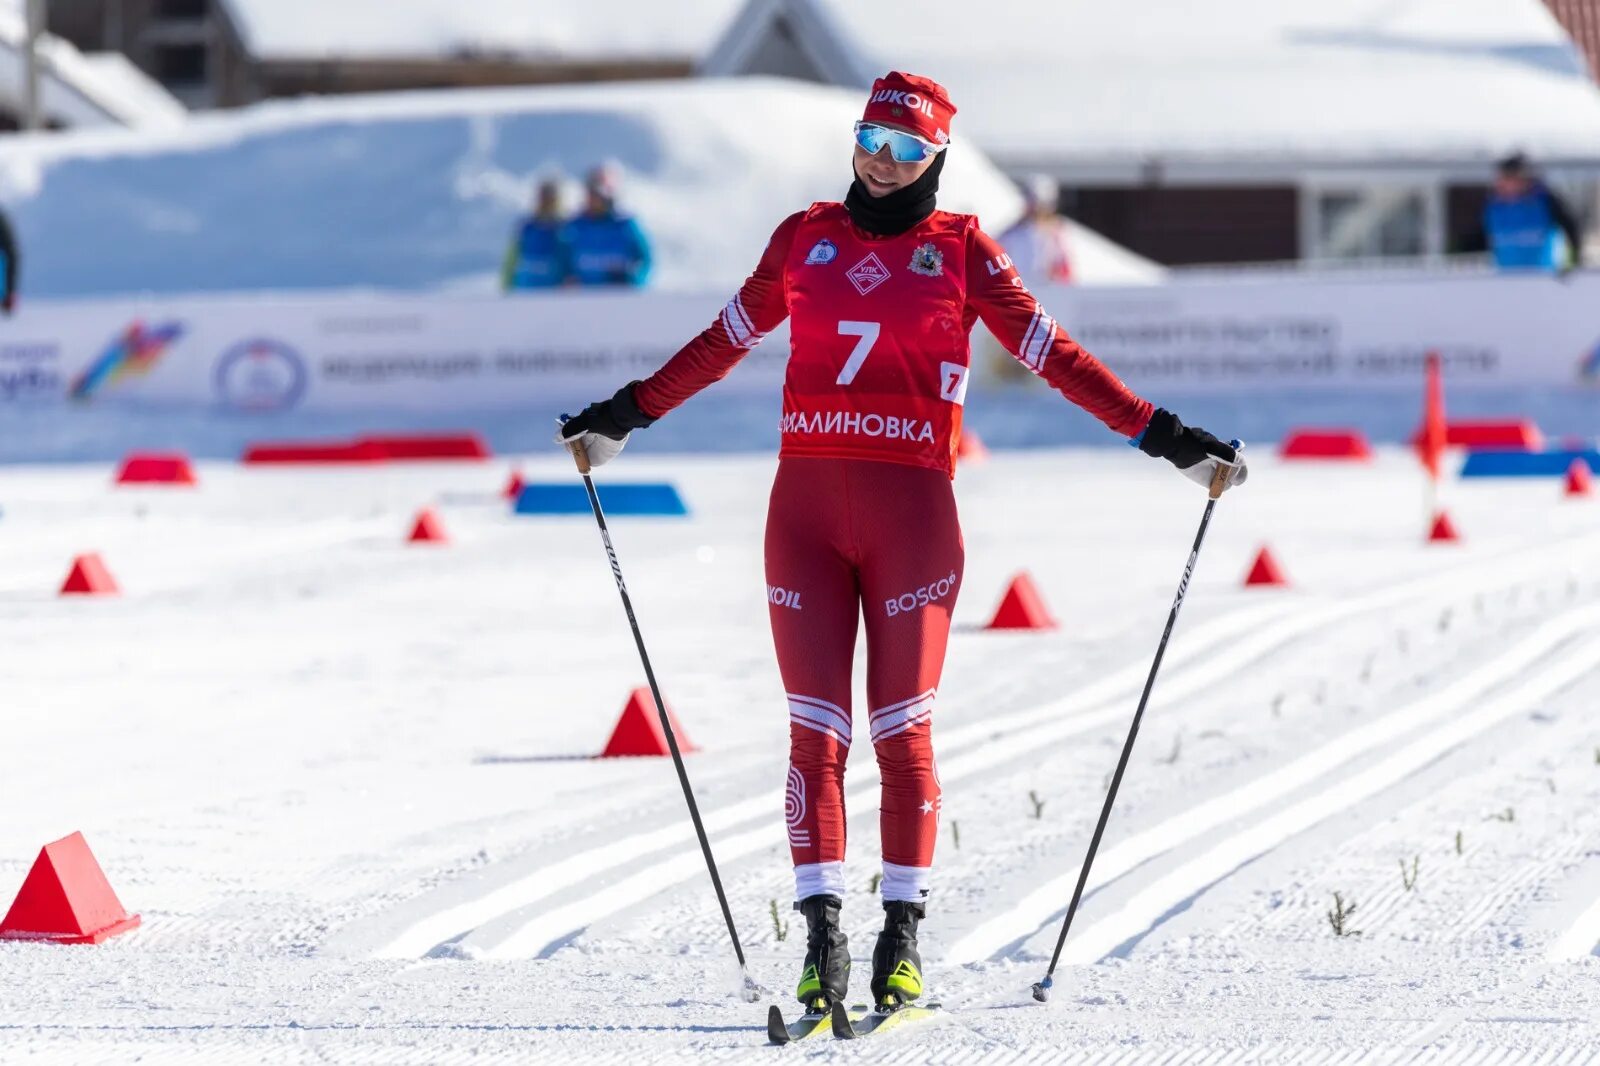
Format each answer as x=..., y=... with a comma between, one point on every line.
x=881, y=292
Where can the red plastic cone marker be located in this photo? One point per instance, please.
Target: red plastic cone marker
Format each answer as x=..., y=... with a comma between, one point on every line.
x=1265, y=570
x=1443, y=529
x=66, y=899
x=428, y=529
x=514, y=487
x=1022, y=607
x=969, y=447
x=1579, y=482
x=638, y=731
x=156, y=468
x=89, y=577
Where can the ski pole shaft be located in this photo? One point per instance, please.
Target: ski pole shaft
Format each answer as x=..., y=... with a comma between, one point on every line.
x=582, y=459
x=1041, y=989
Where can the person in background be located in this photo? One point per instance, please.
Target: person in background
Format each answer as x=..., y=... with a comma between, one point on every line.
x=607, y=246
x=538, y=257
x=1037, y=243
x=9, y=261
x=1525, y=224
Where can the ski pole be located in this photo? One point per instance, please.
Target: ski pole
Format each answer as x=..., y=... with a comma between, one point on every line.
x=748, y=989
x=1041, y=989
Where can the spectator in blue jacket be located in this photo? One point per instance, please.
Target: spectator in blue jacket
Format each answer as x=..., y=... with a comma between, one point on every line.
x=608, y=247
x=538, y=257
x=1526, y=225
x=10, y=260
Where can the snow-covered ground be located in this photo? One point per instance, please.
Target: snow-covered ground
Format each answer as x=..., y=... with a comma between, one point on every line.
x=346, y=781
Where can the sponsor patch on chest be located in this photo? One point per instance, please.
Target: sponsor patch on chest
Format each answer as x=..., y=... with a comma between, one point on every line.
x=927, y=261
x=822, y=253
x=868, y=274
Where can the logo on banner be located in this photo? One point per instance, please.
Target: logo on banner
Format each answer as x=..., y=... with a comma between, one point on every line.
x=260, y=374
x=868, y=274
x=132, y=353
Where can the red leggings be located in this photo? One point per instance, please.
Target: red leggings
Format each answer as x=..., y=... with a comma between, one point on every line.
x=847, y=536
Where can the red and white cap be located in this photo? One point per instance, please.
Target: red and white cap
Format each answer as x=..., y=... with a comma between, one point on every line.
x=916, y=103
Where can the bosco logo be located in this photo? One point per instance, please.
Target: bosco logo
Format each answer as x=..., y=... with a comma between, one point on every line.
x=932, y=592
x=260, y=374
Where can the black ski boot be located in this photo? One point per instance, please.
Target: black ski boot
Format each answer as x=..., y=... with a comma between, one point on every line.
x=826, y=973
x=896, y=966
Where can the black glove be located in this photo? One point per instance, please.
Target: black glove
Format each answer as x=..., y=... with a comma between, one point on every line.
x=601, y=429
x=614, y=418
x=1191, y=449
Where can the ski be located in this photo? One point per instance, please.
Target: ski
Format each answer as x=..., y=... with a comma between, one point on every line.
x=848, y=1028
x=809, y=1024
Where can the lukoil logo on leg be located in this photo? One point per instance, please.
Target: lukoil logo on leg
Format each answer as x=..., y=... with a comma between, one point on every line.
x=782, y=597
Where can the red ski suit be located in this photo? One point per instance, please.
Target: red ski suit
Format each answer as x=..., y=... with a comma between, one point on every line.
x=862, y=519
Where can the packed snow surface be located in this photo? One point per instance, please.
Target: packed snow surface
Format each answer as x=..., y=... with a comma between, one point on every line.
x=347, y=782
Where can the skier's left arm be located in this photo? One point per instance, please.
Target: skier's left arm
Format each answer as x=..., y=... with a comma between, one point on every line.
x=1036, y=340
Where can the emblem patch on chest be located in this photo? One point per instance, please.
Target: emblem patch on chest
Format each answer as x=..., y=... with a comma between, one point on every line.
x=927, y=261
x=821, y=253
x=868, y=274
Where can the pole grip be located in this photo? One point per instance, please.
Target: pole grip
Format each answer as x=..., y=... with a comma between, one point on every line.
x=1219, y=480
x=580, y=455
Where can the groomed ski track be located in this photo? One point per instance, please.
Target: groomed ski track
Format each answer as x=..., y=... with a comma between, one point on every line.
x=1284, y=725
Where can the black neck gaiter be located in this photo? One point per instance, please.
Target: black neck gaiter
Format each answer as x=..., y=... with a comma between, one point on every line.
x=898, y=211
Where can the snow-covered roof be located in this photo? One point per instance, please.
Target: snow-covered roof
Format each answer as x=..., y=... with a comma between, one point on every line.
x=591, y=30
x=1178, y=89
x=421, y=189
x=78, y=89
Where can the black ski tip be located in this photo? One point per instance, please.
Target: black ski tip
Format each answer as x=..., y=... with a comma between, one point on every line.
x=777, y=1031
x=839, y=1018
x=1041, y=990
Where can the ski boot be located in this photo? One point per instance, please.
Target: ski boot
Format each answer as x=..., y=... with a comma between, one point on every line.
x=896, y=966
x=826, y=972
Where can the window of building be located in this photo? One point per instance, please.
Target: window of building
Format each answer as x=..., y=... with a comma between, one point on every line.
x=1380, y=220
x=182, y=9
x=180, y=64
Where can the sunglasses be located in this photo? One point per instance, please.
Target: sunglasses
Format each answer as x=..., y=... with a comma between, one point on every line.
x=903, y=147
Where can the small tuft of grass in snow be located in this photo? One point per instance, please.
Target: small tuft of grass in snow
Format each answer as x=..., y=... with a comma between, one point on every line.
x=1339, y=916
x=1409, y=878
x=955, y=834
x=780, y=928
x=872, y=886
x=1458, y=842
x=1507, y=815
x=1038, y=805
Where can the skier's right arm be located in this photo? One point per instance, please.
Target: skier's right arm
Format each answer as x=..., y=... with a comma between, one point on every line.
x=756, y=309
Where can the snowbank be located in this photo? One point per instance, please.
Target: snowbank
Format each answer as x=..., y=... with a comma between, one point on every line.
x=421, y=190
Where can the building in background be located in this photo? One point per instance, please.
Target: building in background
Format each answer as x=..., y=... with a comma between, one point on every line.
x=224, y=53
x=1581, y=20
x=1233, y=130
x=78, y=89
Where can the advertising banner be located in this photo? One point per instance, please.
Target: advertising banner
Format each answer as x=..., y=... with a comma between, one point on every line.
x=353, y=352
